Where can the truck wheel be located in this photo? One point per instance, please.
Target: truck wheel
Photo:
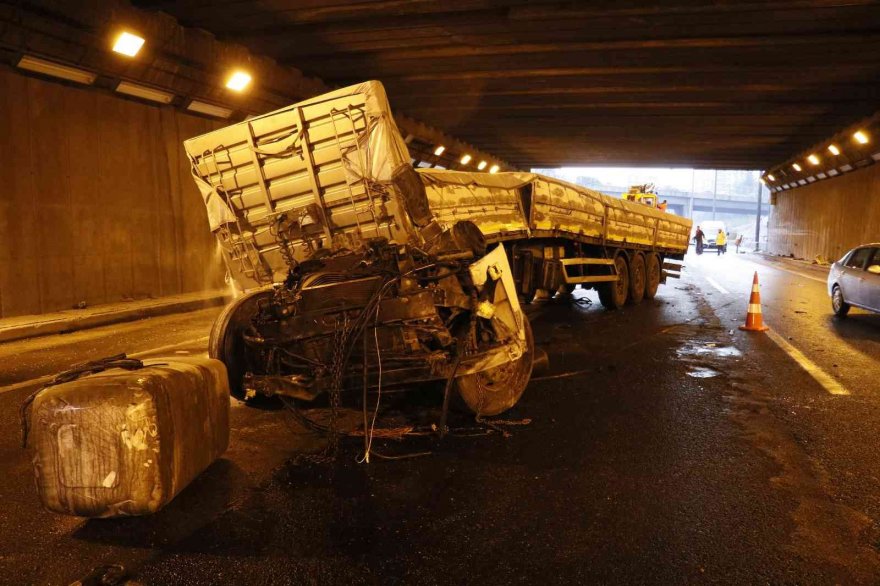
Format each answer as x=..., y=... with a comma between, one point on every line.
x=636, y=278
x=498, y=389
x=652, y=275
x=226, y=343
x=613, y=295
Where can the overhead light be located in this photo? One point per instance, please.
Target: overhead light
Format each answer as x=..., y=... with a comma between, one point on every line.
x=861, y=137
x=833, y=149
x=439, y=150
x=57, y=70
x=142, y=91
x=482, y=165
x=466, y=159
x=813, y=159
x=128, y=44
x=238, y=81
x=796, y=167
x=493, y=169
x=209, y=109
x=771, y=177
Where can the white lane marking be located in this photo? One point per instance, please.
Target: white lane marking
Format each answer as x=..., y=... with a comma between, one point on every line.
x=44, y=379
x=169, y=347
x=792, y=271
x=717, y=285
x=813, y=369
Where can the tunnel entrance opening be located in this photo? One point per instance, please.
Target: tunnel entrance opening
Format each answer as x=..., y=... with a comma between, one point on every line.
x=725, y=196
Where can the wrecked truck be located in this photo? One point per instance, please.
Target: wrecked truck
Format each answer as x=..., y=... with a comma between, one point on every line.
x=361, y=273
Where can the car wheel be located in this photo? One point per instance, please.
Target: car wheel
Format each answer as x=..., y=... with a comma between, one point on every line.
x=840, y=307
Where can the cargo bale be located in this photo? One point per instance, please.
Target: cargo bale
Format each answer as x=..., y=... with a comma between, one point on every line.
x=126, y=442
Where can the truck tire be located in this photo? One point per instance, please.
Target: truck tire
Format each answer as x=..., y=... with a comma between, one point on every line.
x=636, y=278
x=226, y=343
x=498, y=389
x=652, y=275
x=613, y=295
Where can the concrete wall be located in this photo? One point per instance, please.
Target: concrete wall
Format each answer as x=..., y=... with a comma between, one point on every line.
x=827, y=217
x=96, y=201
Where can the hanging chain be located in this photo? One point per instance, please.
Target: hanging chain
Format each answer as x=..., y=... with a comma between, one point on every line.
x=340, y=341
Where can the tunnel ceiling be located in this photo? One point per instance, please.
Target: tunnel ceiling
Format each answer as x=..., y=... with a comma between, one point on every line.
x=709, y=84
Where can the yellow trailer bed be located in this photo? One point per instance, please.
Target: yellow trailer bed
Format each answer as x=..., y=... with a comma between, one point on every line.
x=511, y=206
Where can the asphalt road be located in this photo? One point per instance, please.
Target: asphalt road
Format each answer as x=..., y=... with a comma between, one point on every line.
x=662, y=445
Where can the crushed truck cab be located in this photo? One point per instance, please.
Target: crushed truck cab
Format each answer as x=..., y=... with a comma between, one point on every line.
x=362, y=273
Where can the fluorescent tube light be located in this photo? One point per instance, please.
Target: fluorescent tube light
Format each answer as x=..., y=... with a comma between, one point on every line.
x=57, y=70
x=142, y=91
x=209, y=109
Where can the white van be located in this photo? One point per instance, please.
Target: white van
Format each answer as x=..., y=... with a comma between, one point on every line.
x=710, y=229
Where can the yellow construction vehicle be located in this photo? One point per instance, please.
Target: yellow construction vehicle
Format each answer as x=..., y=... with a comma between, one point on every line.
x=643, y=194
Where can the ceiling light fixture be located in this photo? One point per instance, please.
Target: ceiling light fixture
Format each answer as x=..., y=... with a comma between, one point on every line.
x=439, y=150
x=238, y=81
x=813, y=159
x=482, y=165
x=209, y=109
x=833, y=149
x=128, y=44
x=466, y=159
x=771, y=177
x=796, y=167
x=57, y=70
x=493, y=169
x=861, y=137
x=142, y=91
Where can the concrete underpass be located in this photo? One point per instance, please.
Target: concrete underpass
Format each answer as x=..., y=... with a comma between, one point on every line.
x=657, y=443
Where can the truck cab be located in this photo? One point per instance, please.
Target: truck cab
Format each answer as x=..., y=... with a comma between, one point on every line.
x=643, y=194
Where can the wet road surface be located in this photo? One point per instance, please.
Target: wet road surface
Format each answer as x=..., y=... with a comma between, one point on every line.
x=662, y=445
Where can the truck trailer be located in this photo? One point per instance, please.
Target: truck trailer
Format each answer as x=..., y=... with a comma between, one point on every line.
x=362, y=273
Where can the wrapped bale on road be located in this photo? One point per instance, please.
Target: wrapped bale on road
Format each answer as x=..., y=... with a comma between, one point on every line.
x=126, y=442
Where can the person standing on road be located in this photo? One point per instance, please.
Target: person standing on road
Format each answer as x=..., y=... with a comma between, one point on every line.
x=662, y=206
x=699, y=235
x=721, y=242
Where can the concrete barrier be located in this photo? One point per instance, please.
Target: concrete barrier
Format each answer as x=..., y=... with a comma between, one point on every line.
x=71, y=320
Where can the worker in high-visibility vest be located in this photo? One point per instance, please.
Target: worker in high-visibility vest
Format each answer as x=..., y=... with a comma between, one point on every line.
x=662, y=206
x=721, y=242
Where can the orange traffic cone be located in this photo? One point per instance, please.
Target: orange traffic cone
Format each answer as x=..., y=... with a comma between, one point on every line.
x=754, y=319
